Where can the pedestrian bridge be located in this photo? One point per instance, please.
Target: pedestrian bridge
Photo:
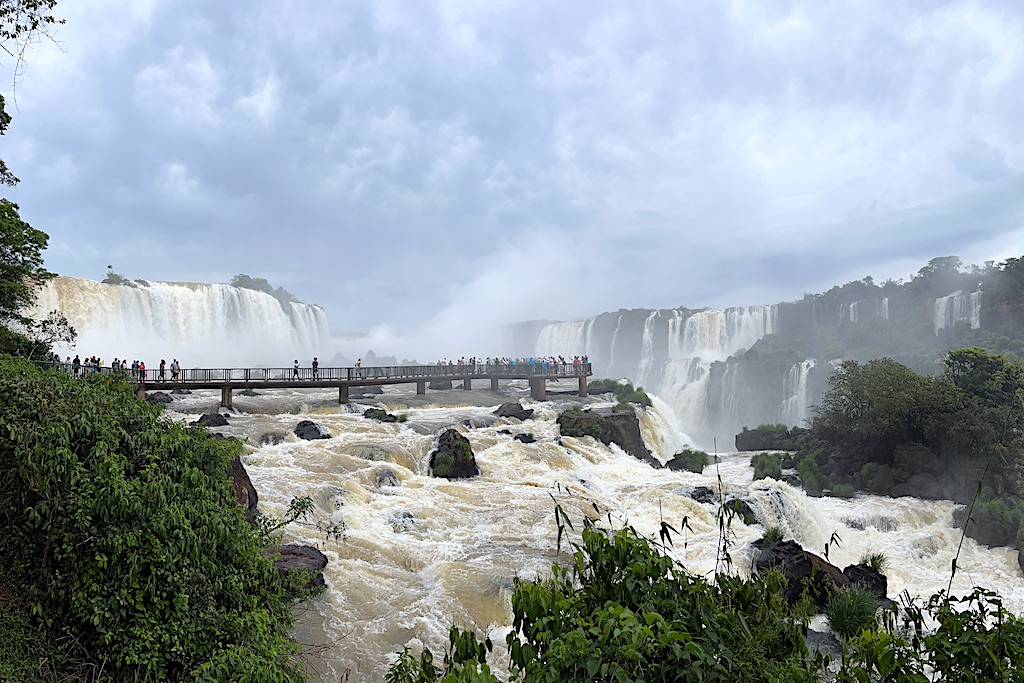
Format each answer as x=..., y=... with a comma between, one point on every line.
x=228, y=380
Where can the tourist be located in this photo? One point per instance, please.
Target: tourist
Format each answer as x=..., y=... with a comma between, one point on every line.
x=175, y=369
x=76, y=365
x=295, y=369
x=316, y=365
x=160, y=376
x=142, y=371
x=359, y=367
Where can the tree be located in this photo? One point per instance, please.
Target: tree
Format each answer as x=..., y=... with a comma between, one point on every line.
x=51, y=330
x=21, y=263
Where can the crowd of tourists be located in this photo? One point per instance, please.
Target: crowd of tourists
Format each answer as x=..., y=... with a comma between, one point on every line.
x=93, y=364
x=545, y=365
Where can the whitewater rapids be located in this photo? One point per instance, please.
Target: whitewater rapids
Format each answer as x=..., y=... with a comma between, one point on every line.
x=420, y=554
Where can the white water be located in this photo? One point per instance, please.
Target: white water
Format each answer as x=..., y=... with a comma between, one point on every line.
x=955, y=307
x=794, y=408
x=200, y=325
x=643, y=371
x=427, y=553
x=564, y=339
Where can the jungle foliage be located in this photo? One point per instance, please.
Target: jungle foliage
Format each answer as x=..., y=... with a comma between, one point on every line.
x=260, y=284
x=121, y=535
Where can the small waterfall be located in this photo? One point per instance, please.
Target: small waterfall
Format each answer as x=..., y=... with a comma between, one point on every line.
x=955, y=307
x=780, y=505
x=796, y=389
x=647, y=350
x=615, y=338
x=883, y=308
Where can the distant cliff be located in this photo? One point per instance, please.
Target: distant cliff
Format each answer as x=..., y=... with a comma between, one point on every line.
x=751, y=365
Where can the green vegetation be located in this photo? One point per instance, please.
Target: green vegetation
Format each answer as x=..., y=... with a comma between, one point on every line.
x=21, y=264
x=851, y=611
x=122, y=539
x=773, y=534
x=260, y=284
x=623, y=391
x=843, y=491
x=692, y=460
x=767, y=465
x=877, y=561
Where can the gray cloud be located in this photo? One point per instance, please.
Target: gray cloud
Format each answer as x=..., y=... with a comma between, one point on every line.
x=408, y=164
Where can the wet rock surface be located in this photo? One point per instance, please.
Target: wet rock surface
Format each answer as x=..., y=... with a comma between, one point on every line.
x=311, y=431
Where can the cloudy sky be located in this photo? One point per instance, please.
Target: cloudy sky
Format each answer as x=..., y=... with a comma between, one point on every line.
x=417, y=165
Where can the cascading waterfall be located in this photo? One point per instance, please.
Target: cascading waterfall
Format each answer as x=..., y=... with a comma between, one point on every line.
x=564, y=339
x=883, y=308
x=958, y=306
x=647, y=350
x=201, y=325
x=796, y=388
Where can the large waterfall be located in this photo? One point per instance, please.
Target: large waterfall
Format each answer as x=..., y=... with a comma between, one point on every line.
x=956, y=307
x=200, y=325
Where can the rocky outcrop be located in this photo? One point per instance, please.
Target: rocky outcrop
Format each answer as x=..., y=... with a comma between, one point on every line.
x=621, y=428
x=301, y=557
x=524, y=438
x=870, y=579
x=985, y=528
x=440, y=385
x=514, y=410
x=704, y=495
x=380, y=415
x=272, y=438
x=1020, y=558
x=742, y=510
x=453, y=458
x=158, y=398
x=245, y=492
x=771, y=439
x=212, y=420
x=803, y=570
x=311, y=431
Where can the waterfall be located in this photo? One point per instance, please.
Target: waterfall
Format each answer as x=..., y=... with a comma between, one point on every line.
x=564, y=339
x=201, y=325
x=715, y=335
x=646, y=350
x=955, y=307
x=883, y=308
x=796, y=389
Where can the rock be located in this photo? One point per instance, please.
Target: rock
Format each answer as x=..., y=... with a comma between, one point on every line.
x=704, y=495
x=869, y=579
x=181, y=392
x=505, y=431
x=440, y=385
x=310, y=431
x=787, y=462
x=158, y=398
x=621, y=428
x=402, y=521
x=453, y=458
x=212, y=420
x=386, y=476
x=245, y=492
x=371, y=391
x=524, y=438
x=514, y=410
x=369, y=451
x=272, y=438
x=985, y=528
x=294, y=557
x=803, y=570
x=380, y=415
x=824, y=642
x=920, y=485
x=742, y=510
x=1020, y=558
x=248, y=392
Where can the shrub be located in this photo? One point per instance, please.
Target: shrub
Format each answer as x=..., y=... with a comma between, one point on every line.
x=877, y=561
x=767, y=465
x=843, y=491
x=851, y=611
x=773, y=534
x=692, y=460
x=810, y=475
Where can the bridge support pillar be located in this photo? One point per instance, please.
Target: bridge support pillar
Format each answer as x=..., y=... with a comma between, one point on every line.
x=421, y=387
x=583, y=385
x=343, y=394
x=538, y=388
x=467, y=384
x=494, y=384
x=225, y=397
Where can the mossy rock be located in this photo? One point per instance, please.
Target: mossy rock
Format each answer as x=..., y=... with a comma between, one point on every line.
x=620, y=428
x=453, y=458
x=380, y=415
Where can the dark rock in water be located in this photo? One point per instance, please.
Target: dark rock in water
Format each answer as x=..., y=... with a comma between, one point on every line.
x=742, y=510
x=386, y=477
x=369, y=391
x=870, y=579
x=824, y=642
x=402, y=521
x=245, y=492
x=440, y=385
x=158, y=398
x=505, y=431
x=181, y=392
x=514, y=410
x=771, y=439
x=1020, y=558
x=310, y=431
x=787, y=462
x=248, y=392
x=704, y=495
x=524, y=438
x=621, y=428
x=803, y=570
x=380, y=415
x=295, y=557
x=453, y=458
x=985, y=528
x=272, y=438
x=212, y=420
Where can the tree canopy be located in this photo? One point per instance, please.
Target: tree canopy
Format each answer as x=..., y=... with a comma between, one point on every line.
x=21, y=263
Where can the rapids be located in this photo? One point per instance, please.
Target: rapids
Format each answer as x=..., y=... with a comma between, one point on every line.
x=420, y=554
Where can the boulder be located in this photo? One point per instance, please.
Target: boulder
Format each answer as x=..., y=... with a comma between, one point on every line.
x=386, y=476
x=870, y=579
x=310, y=431
x=803, y=570
x=1020, y=558
x=158, y=398
x=985, y=528
x=380, y=415
x=505, y=431
x=245, y=492
x=181, y=392
x=514, y=410
x=524, y=438
x=212, y=420
x=272, y=438
x=440, y=385
x=704, y=495
x=621, y=428
x=402, y=521
x=295, y=557
x=453, y=458
x=248, y=392
x=742, y=510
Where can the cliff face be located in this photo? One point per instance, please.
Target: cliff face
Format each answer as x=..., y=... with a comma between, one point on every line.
x=751, y=365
